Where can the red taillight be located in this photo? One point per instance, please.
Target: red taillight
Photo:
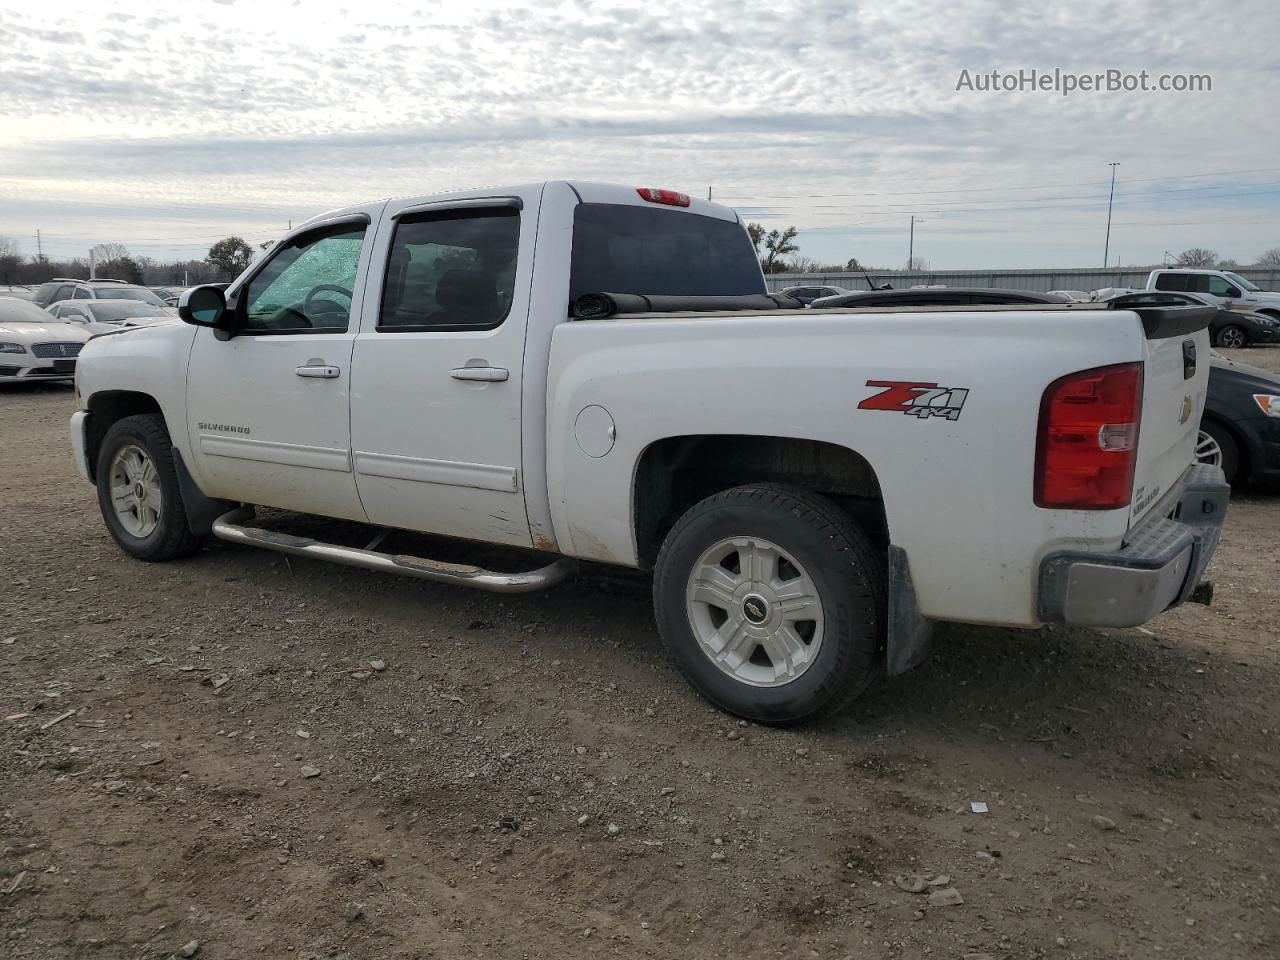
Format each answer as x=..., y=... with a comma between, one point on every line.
x=669, y=197
x=1087, y=446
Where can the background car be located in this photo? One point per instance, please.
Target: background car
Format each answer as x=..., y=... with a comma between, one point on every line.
x=1240, y=429
x=1228, y=328
x=935, y=297
x=101, y=316
x=169, y=295
x=1081, y=296
x=807, y=294
x=64, y=288
x=33, y=345
x=17, y=292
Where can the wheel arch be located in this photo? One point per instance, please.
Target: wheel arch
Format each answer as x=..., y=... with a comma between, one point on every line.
x=673, y=473
x=107, y=407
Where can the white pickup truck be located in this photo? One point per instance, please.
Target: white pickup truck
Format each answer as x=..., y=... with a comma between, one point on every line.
x=595, y=372
x=1227, y=289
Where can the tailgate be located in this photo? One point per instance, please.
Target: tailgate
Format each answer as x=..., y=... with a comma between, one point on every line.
x=1175, y=379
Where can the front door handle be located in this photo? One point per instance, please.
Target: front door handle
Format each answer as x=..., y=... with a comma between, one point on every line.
x=485, y=374
x=320, y=371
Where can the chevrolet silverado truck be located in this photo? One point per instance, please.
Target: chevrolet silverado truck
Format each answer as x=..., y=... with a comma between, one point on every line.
x=596, y=373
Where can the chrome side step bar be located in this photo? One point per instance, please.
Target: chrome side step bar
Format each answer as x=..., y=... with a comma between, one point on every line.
x=231, y=527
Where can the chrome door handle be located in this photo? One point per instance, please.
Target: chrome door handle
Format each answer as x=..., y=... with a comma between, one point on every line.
x=320, y=371
x=486, y=374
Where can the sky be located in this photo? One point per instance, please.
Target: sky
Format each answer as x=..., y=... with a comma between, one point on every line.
x=166, y=127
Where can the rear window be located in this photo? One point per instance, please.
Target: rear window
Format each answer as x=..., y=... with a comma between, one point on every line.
x=659, y=252
x=114, y=292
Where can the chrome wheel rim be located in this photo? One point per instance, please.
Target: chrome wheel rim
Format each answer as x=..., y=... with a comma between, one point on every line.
x=1232, y=337
x=755, y=611
x=136, y=497
x=1208, y=450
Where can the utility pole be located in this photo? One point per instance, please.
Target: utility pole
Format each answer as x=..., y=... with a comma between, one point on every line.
x=1106, y=250
x=92, y=266
x=39, y=248
x=911, y=242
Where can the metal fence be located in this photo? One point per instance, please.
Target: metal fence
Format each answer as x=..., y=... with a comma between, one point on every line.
x=1268, y=278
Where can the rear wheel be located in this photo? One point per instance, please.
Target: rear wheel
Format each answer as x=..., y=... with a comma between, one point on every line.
x=1232, y=336
x=771, y=601
x=1217, y=447
x=138, y=490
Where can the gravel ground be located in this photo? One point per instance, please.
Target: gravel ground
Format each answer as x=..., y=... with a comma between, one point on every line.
x=295, y=760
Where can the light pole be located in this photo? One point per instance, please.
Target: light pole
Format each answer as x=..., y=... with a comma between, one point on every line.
x=1106, y=250
x=911, y=241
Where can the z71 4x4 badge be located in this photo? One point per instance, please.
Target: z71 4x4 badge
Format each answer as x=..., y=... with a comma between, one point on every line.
x=916, y=399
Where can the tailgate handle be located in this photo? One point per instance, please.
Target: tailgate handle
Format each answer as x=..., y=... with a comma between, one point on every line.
x=1188, y=359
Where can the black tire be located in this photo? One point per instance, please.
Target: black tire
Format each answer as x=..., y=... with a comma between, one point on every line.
x=850, y=579
x=172, y=537
x=1232, y=336
x=1227, y=444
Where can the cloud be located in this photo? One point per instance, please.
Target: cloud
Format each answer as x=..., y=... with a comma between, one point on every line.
x=840, y=117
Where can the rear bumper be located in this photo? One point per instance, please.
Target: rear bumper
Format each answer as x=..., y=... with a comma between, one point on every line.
x=1157, y=567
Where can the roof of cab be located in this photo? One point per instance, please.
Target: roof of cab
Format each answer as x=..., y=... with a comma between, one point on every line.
x=587, y=192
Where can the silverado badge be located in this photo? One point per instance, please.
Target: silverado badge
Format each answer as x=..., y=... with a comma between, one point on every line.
x=1187, y=407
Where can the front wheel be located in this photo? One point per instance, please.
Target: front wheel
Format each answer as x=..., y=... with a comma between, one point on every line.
x=771, y=601
x=138, y=490
x=1232, y=337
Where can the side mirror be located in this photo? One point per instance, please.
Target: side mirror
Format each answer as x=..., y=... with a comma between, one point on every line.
x=203, y=307
x=1231, y=292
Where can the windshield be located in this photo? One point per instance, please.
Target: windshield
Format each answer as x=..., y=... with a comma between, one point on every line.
x=127, y=293
x=1236, y=278
x=107, y=312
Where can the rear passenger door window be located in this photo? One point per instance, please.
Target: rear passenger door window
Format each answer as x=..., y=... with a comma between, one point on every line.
x=1172, y=281
x=453, y=270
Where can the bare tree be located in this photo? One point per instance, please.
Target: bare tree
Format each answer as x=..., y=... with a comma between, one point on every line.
x=106, y=252
x=917, y=264
x=1270, y=258
x=1197, y=257
x=10, y=261
x=1227, y=264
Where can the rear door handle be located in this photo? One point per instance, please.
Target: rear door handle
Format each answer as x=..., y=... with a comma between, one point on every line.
x=319, y=371
x=486, y=374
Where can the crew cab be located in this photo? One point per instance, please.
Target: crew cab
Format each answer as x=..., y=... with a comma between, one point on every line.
x=1227, y=289
x=592, y=372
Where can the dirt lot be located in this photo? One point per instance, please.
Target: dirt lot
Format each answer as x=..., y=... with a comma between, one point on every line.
x=528, y=777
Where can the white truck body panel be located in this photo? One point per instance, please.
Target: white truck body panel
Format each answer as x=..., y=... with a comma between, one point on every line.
x=803, y=375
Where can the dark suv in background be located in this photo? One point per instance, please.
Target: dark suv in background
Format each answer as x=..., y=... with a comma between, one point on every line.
x=66, y=288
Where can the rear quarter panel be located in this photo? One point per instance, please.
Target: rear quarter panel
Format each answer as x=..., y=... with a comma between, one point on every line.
x=957, y=493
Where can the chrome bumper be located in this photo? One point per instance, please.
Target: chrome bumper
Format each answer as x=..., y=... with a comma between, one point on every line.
x=1158, y=566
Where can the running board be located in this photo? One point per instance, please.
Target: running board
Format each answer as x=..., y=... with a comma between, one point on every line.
x=230, y=527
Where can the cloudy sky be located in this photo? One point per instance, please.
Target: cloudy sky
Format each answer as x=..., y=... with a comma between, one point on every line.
x=165, y=127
